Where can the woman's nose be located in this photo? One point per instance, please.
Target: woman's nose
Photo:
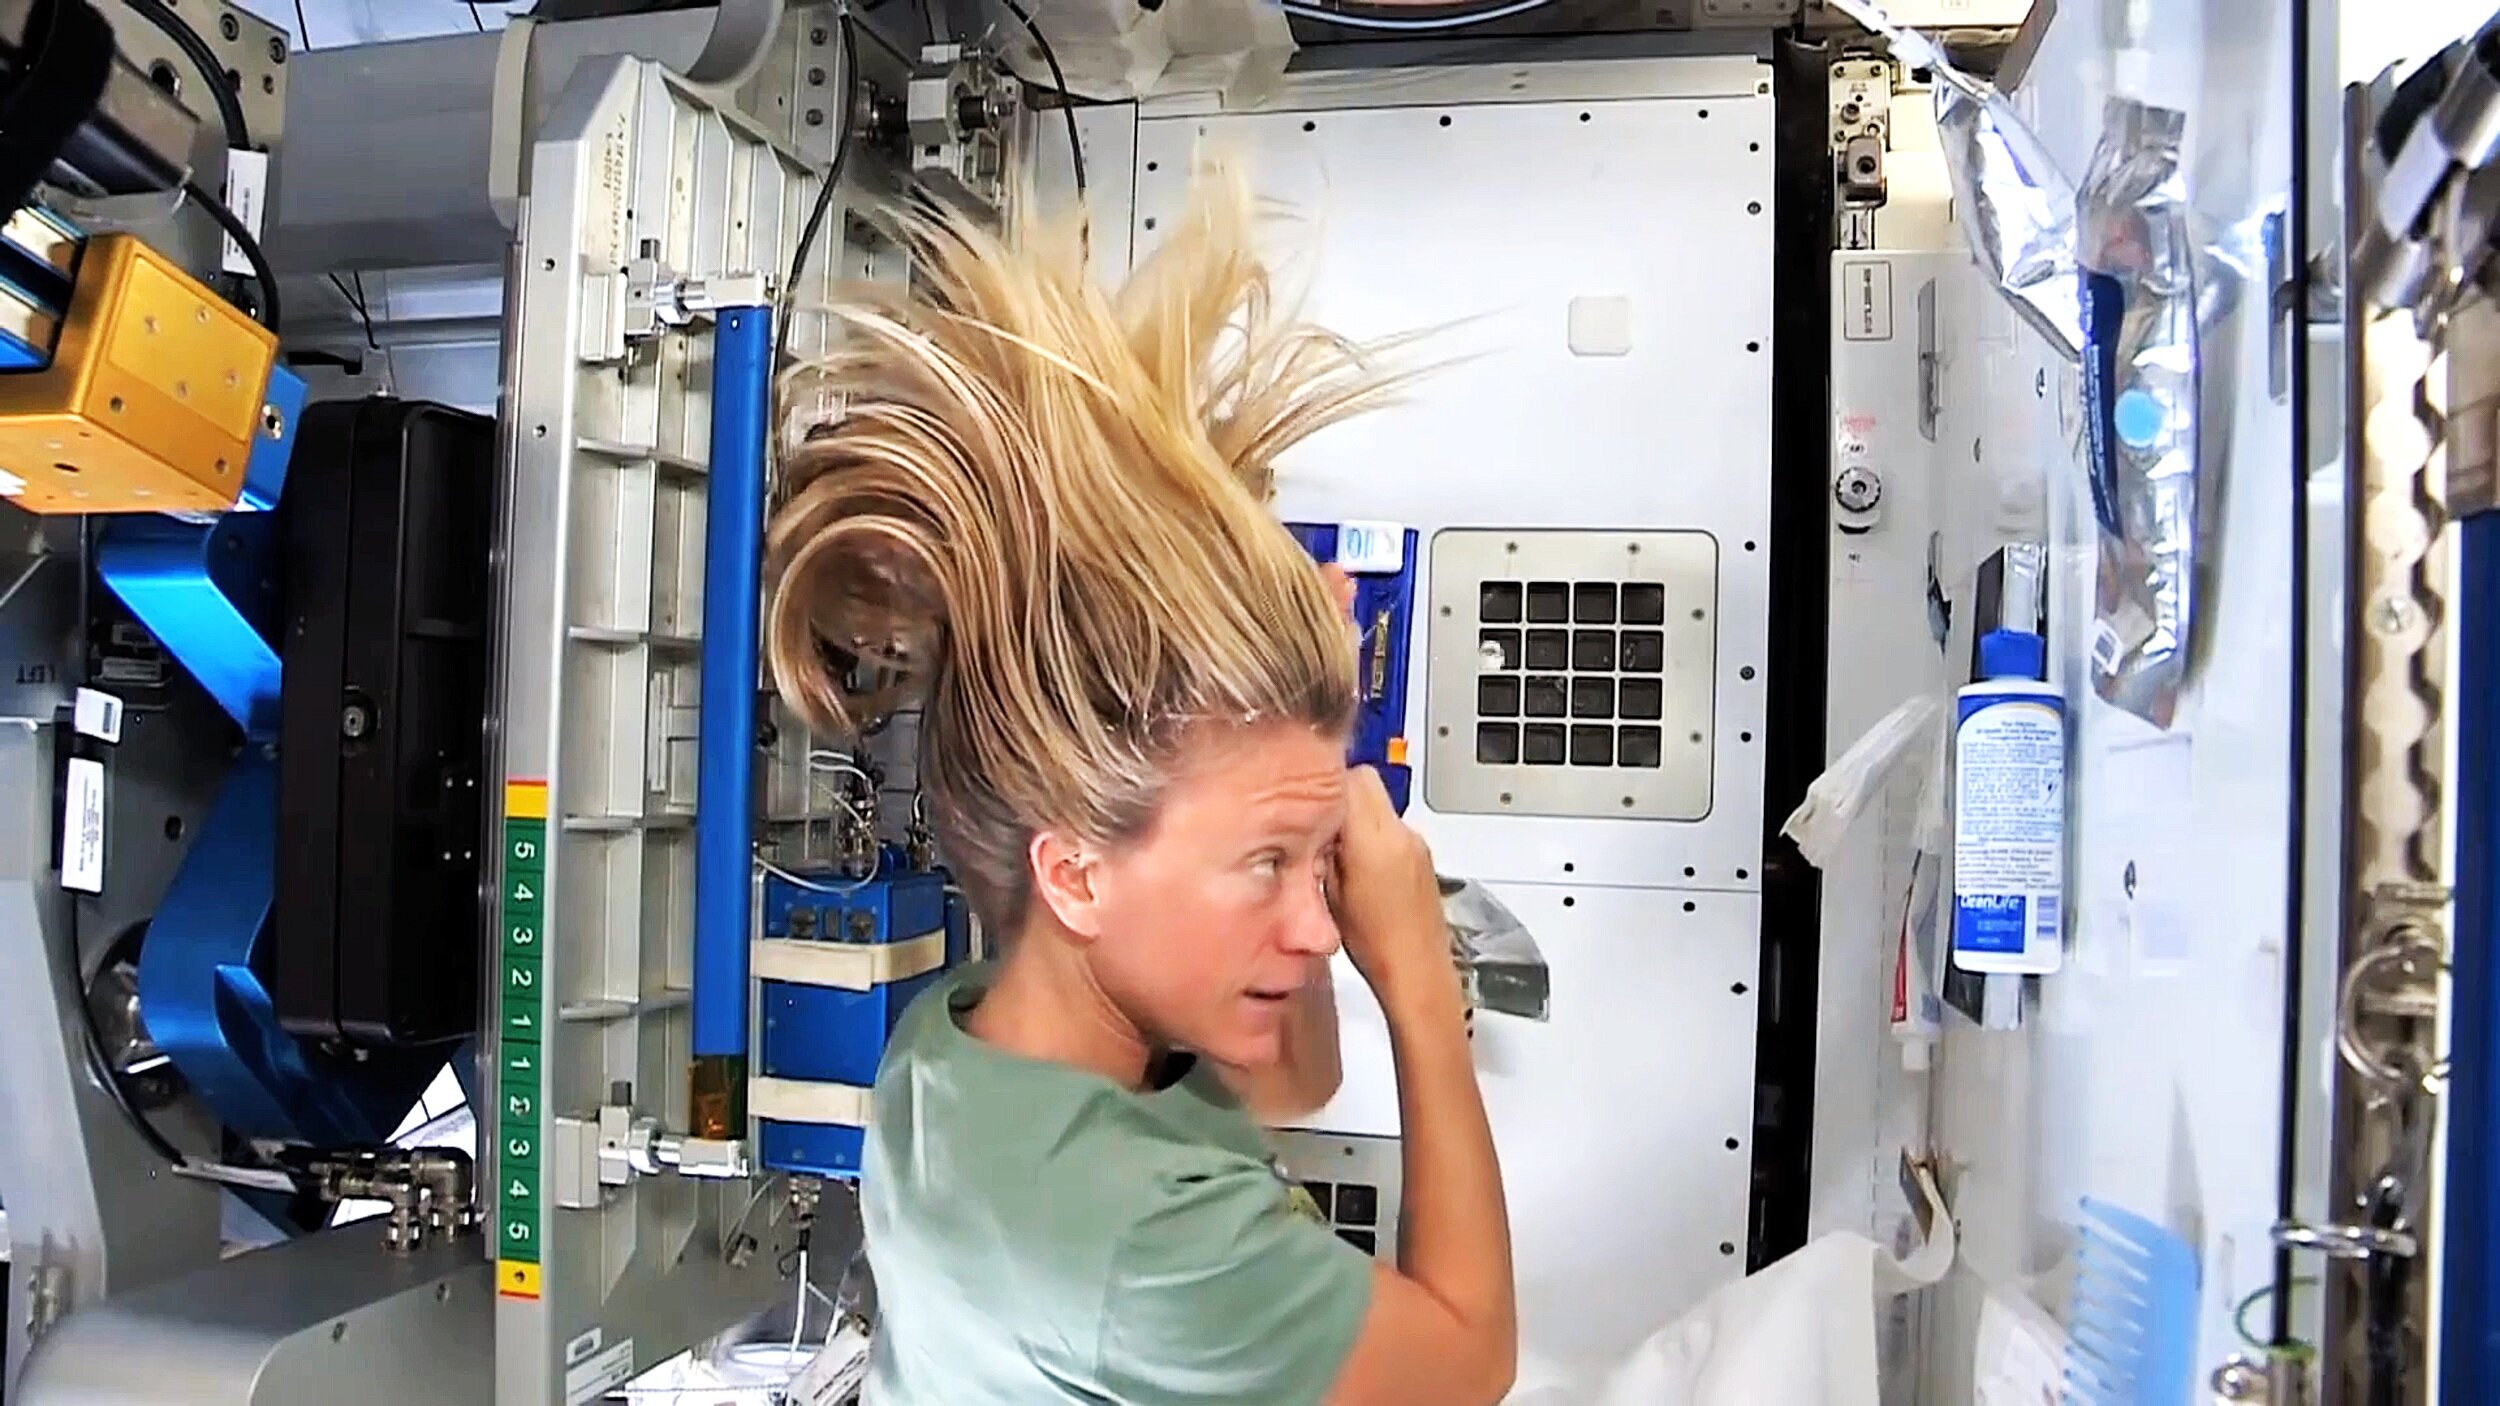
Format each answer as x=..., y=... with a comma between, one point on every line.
x=1312, y=932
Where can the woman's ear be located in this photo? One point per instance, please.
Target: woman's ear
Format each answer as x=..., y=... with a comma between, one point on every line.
x=1341, y=586
x=1064, y=874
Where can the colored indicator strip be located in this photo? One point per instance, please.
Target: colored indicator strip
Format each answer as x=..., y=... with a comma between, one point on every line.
x=520, y=1079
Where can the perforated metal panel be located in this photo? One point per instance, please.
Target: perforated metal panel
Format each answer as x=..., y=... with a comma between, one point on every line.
x=607, y=503
x=1570, y=674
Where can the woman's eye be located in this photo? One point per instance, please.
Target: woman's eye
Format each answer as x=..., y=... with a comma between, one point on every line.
x=1267, y=866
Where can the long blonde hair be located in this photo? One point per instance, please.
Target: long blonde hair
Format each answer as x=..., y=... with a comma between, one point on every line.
x=1041, y=509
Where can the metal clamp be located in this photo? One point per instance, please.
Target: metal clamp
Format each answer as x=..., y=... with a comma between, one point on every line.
x=2414, y=953
x=960, y=109
x=2346, y=1242
x=645, y=1150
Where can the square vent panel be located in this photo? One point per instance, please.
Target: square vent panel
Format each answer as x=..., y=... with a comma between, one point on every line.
x=1354, y=1182
x=1570, y=674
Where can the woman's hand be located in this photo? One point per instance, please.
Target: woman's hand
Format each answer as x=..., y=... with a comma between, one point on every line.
x=1388, y=903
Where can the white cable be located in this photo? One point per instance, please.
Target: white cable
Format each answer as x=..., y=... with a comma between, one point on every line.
x=1435, y=22
x=825, y=760
x=798, y=1327
x=837, y=890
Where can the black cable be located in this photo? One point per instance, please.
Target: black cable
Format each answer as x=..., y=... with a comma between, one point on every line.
x=2296, y=828
x=363, y=309
x=261, y=272
x=474, y=17
x=303, y=27
x=843, y=136
x=194, y=48
x=1067, y=99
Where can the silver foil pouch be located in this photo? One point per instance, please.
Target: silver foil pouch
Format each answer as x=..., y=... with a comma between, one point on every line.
x=1498, y=962
x=2137, y=260
x=2016, y=208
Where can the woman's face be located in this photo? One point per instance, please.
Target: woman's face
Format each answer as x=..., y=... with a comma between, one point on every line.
x=1207, y=924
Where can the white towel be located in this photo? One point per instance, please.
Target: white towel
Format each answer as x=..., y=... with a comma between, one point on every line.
x=1800, y=1333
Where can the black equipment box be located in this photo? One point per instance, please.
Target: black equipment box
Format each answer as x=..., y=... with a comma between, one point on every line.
x=389, y=524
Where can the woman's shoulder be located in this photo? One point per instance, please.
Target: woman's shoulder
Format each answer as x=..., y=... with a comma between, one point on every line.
x=950, y=1109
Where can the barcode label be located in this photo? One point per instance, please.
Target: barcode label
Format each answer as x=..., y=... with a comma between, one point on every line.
x=247, y=195
x=82, y=827
x=97, y=714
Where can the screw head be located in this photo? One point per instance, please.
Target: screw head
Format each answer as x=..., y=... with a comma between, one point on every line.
x=272, y=421
x=2394, y=615
x=230, y=27
x=355, y=720
x=277, y=49
x=815, y=117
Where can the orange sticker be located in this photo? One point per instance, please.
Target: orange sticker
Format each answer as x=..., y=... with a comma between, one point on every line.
x=516, y=1280
x=525, y=800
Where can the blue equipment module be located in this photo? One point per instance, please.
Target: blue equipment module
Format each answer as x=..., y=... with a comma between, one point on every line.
x=1380, y=559
x=839, y=962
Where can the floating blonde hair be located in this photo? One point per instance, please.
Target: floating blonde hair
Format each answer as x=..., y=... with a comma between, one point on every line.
x=1042, y=509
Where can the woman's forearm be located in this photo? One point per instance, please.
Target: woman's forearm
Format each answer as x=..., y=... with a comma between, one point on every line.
x=1454, y=1229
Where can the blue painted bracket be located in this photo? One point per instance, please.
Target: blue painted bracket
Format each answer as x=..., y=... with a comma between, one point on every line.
x=264, y=473
x=206, y=1006
x=733, y=576
x=2468, y=1298
x=207, y=592
x=1381, y=562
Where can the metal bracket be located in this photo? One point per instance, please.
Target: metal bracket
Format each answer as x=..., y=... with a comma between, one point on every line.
x=643, y=1149
x=647, y=299
x=1861, y=132
x=959, y=108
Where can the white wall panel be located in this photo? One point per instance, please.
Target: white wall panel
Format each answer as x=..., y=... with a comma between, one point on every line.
x=1482, y=203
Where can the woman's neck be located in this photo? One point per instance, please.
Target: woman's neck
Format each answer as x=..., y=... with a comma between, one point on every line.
x=1044, y=1004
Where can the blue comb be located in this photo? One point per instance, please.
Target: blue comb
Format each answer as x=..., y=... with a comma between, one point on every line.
x=2134, y=1320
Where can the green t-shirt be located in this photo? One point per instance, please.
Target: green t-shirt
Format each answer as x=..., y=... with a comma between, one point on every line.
x=1041, y=1234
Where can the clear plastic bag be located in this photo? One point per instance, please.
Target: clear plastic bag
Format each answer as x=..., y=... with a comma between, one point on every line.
x=1837, y=797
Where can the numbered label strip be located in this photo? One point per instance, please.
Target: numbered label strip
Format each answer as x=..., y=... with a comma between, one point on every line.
x=523, y=1010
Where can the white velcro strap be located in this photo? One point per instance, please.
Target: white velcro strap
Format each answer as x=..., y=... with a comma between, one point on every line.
x=853, y=966
x=802, y=1101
